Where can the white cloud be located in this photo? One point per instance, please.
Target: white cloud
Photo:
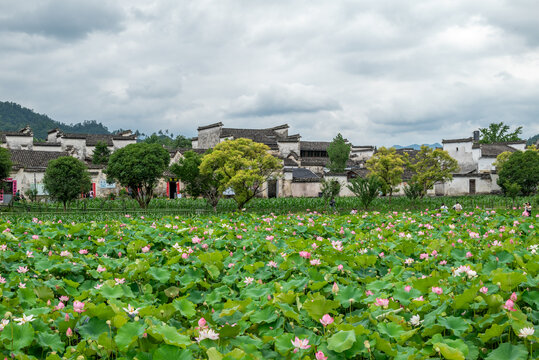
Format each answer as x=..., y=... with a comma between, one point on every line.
x=380, y=72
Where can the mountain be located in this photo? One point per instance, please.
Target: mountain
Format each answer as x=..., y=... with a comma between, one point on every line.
x=418, y=147
x=532, y=140
x=14, y=117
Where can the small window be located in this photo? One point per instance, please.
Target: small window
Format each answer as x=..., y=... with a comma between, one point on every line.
x=457, y=148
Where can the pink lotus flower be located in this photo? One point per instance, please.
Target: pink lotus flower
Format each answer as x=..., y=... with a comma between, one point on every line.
x=326, y=320
x=22, y=285
x=407, y=288
x=437, y=290
x=248, y=280
x=83, y=251
x=469, y=254
x=340, y=267
x=315, y=262
x=101, y=268
x=335, y=288
x=420, y=298
x=320, y=356
x=300, y=344
x=382, y=302
x=272, y=264
x=509, y=305
x=64, y=298
x=60, y=306
x=368, y=293
x=22, y=269
x=424, y=256
x=69, y=332
x=484, y=290
x=119, y=281
x=202, y=323
x=35, y=237
x=305, y=254
x=145, y=249
x=78, y=307
x=2, y=280
x=513, y=296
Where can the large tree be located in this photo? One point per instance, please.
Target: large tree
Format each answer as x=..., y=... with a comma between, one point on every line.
x=5, y=163
x=499, y=132
x=101, y=153
x=522, y=168
x=66, y=178
x=187, y=169
x=138, y=167
x=241, y=165
x=431, y=166
x=338, y=152
x=388, y=166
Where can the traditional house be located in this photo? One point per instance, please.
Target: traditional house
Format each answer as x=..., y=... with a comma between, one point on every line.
x=477, y=174
x=30, y=158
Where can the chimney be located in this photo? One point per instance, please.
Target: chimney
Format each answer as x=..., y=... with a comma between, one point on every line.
x=476, y=136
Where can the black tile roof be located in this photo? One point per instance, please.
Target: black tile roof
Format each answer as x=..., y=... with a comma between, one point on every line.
x=314, y=145
x=493, y=150
x=30, y=159
x=469, y=139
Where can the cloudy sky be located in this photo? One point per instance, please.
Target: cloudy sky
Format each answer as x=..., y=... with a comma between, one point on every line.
x=381, y=72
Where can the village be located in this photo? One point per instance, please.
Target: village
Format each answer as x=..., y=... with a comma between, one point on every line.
x=304, y=162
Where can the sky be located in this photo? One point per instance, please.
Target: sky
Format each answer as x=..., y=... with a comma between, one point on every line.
x=380, y=72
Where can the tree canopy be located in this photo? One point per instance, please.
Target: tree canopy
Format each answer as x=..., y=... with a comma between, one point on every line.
x=66, y=178
x=431, y=166
x=521, y=168
x=338, y=152
x=168, y=140
x=241, y=165
x=101, y=153
x=187, y=169
x=139, y=168
x=388, y=166
x=499, y=132
x=5, y=163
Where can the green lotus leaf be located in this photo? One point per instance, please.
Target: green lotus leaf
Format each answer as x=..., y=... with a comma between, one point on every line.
x=508, y=351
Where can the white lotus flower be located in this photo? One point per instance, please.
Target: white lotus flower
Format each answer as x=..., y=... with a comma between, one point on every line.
x=131, y=310
x=25, y=319
x=207, y=334
x=525, y=332
x=416, y=320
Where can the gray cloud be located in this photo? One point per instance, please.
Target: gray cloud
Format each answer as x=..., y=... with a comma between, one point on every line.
x=379, y=72
x=282, y=100
x=61, y=19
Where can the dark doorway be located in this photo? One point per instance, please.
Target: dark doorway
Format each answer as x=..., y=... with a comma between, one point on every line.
x=272, y=188
x=172, y=189
x=472, y=186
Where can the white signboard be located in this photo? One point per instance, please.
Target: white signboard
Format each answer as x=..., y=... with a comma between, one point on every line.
x=103, y=184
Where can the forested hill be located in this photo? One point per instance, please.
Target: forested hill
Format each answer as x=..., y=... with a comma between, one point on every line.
x=14, y=117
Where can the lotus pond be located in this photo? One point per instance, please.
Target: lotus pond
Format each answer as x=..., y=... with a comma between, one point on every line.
x=395, y=285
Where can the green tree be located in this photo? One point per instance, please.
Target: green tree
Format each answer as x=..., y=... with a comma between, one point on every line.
x=66, y=178
x=5, y=163
x=432, y=165
x=388, y=166
x=138, y=167
x=499, y=132
x=241, y=165
x=413, y=190
x=501, y=159
x=366, y=189
x=338, y=152
x=101, y=153
x=165, y=139
x=187, y=169
x=522, y=168
x=330, y=189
